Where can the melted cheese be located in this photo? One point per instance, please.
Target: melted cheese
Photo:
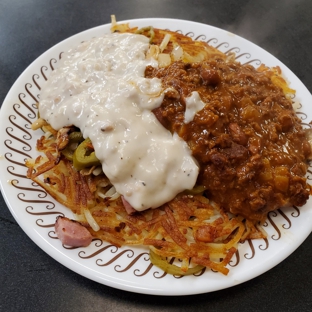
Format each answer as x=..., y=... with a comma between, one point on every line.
x=100, y=88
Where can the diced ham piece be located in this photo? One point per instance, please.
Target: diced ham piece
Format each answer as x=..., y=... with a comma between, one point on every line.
x=130, y=210
x=72, y=233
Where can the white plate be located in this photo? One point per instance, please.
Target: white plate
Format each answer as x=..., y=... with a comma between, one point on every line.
x=129, y=268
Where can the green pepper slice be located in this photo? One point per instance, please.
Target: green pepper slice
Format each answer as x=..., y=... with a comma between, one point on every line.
x=74, y=137
x=84, y=156
x=163, y=264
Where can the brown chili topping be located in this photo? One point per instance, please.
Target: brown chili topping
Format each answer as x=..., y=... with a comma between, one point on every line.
x=249, y=143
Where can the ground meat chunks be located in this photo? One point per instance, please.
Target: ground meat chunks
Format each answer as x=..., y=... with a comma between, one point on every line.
x=248, y=141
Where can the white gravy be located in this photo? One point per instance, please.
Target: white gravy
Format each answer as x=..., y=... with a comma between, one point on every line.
x=193, y=104
x=100, y=88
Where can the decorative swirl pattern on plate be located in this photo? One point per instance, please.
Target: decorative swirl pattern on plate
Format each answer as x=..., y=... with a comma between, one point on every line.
x=44, y=68
x=200, y=273
x=40, y=222
x=130, y=265
x=277, y=235
x=42, y=193
x=109, y=255
x=222, y=44
x=248, y=56
x=234, y=50
x=200, y=37
x=43, y=213
x=299, y=104
x=7, y=143
x=136, y=271
x=50, y=205
x=212, y=41
x=232, y=263
x=16, y=108
x=303, y=116
x=8, y=155
x=295, y=214
x=27, y=87
x=266, y=245
x=33, y=115
x=52, y=234
x=190, y=34
x=129, y=253
x=10, y=129
x=34, y=77
x=252, y=248
x=285, y=226
x=51, y=63
x=9, y=168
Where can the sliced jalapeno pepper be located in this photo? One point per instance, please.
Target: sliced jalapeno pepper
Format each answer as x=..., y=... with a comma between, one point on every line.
x=84, y=156
x=74, y=137
x=162, y=263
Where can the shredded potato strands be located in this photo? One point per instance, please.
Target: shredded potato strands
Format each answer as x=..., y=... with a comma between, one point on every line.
x=185, y=236
x=94, y=225
x=165, y=42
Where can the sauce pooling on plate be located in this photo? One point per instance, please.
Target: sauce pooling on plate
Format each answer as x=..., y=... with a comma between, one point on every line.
x=100, y=87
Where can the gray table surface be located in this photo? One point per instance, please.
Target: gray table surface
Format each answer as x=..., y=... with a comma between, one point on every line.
x=30, y=280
